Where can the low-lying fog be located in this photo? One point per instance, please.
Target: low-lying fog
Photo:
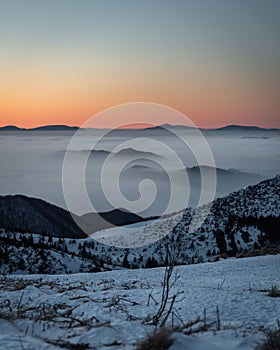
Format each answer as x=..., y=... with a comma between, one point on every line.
x=32, y=161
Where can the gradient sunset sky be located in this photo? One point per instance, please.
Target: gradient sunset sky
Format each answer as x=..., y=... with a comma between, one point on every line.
x=217, y=61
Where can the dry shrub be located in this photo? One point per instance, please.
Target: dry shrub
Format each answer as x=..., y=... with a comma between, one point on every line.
x=272, y=341
x=160, y=339
x=274, y=292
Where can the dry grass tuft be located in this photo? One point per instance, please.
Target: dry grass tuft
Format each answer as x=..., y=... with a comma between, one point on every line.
x=160, y=339
x=272, y=341
x=274, y=292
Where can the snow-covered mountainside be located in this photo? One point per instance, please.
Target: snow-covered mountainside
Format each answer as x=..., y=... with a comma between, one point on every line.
x=108, y=310
x=246, y=219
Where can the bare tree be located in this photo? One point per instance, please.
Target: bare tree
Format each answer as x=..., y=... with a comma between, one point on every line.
x=168, y=298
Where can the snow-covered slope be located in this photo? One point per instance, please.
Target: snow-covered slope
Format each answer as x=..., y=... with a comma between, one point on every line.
x=106, y=310
x=246, y=219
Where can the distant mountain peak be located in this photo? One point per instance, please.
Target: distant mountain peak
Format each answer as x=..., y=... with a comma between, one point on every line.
x=11, y=128
x=55, y=127
x=244, y=127
x=40, y=128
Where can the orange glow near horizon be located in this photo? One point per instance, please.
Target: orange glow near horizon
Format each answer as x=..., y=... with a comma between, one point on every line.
x=36, y=99
x=50, y=92
x=29, y=108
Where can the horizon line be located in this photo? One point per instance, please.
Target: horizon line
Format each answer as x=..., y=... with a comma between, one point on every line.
x=130, y=127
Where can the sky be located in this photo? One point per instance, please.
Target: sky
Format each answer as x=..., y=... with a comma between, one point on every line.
x=216, y=61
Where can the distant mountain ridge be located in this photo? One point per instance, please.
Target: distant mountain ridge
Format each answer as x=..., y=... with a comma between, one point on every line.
x=124, y=152
x=153, y=128
x=55, y=127
x=244, y=127
x=225, y=128
x=39, y=128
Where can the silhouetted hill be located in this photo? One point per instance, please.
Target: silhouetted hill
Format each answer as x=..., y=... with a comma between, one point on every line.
x=19, y=213
x=40, y=128
x=55, y=127
x=169, y=127
x=244, y=128
x=92, y=222
x=11, y=128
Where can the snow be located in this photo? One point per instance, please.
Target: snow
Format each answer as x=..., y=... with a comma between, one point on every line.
x=224, y=340
x=139, y=234
x=234, y=285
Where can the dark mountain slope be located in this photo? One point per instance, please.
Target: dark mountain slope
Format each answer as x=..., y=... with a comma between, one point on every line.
x=20, y=213
x=92, y=222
